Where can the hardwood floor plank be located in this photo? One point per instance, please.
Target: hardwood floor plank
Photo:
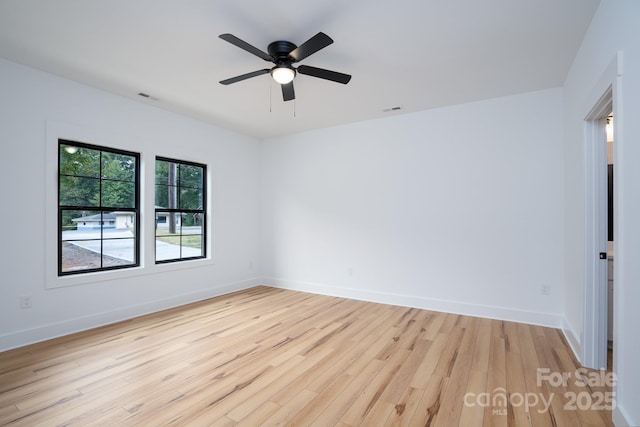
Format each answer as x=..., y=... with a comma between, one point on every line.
x=423, y=374
x=496, y=377
x=116, y=417
x=247, y=407
x=287, y=411
x=321, y=403
x=343, y=401
x=326, y=372
x=378, y=414
x=515, y=388
x=429, y=405
x=8, y=410
x=447, y=358
x=375, y=387
x=511, y=340
x=260, y=415
x=403, y=411
x=472, y=413
x=432, y=325
x=265, y=356
x=482, y=352
x=398, y=385
x=457, y=375
x=248, y=386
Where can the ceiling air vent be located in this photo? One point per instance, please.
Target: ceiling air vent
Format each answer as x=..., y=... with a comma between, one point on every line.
x=146, y=95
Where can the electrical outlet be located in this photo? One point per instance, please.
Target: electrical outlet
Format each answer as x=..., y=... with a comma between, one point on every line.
x=546, y=289
x=25, y=301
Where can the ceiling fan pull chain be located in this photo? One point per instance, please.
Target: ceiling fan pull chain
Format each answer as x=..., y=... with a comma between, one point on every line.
x=270, y=95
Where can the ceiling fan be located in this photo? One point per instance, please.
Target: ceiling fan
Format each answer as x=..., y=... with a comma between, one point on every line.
x=284, y=54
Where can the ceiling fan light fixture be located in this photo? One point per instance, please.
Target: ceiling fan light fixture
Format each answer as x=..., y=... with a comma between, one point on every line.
x=283, y=74
x=283, y=54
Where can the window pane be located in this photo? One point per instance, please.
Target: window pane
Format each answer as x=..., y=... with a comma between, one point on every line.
x=79, y=161
x=118, y=224
x=191, y=176
x=118, y=252
x=165, y=252
x=197, y=218
x=80, y=224
x=118, y=166
x=162, y=172
x=192, y=246
x=166, y=196
x=118, y=194
x=190, y=219
x=186, y=242
x=190, y=198
x=80, y=255
x=125, y=222
x=76, y=191
x=191, y=231
x=191, y=239
x=163, y=217
x=163, y=234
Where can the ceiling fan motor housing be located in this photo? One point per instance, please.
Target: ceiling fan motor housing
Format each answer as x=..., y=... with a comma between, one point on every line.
x=280, y=50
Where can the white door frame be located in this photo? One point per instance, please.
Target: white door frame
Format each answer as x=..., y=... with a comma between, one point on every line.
x=606, y=97
x=595, y=293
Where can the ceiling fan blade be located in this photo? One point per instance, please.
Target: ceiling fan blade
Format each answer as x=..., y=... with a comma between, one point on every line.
x=246, y=46
x=287, y=92
x=334, y=76
x=244, y=76
x=311, y=46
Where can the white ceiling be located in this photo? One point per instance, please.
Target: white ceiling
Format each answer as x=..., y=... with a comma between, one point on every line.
x=416, y=54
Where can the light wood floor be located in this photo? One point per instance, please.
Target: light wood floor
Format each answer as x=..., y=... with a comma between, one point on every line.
x=267, y=357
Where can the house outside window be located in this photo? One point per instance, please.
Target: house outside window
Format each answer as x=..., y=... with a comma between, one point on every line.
x=180, y=213
x=98, y=208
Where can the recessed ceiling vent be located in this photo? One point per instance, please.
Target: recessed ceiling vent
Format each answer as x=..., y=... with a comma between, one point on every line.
x=386, y=110
x=146, y=95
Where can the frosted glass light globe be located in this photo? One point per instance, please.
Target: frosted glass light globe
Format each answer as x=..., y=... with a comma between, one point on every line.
x=283, y=75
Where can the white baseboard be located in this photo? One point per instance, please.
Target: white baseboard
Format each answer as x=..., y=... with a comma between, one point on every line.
x=620, y=420
x=573, y=339
x=58, y=329
x=476, y=310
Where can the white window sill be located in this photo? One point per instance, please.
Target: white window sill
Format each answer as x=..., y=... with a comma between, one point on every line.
x=110, y=275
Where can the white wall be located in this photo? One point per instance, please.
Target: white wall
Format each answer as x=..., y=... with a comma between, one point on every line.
x=614, y=29
x=34, y=106
x=457, y=209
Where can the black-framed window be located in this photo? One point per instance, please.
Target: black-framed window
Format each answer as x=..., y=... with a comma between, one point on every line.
x=98, y=208
x=180, y=212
